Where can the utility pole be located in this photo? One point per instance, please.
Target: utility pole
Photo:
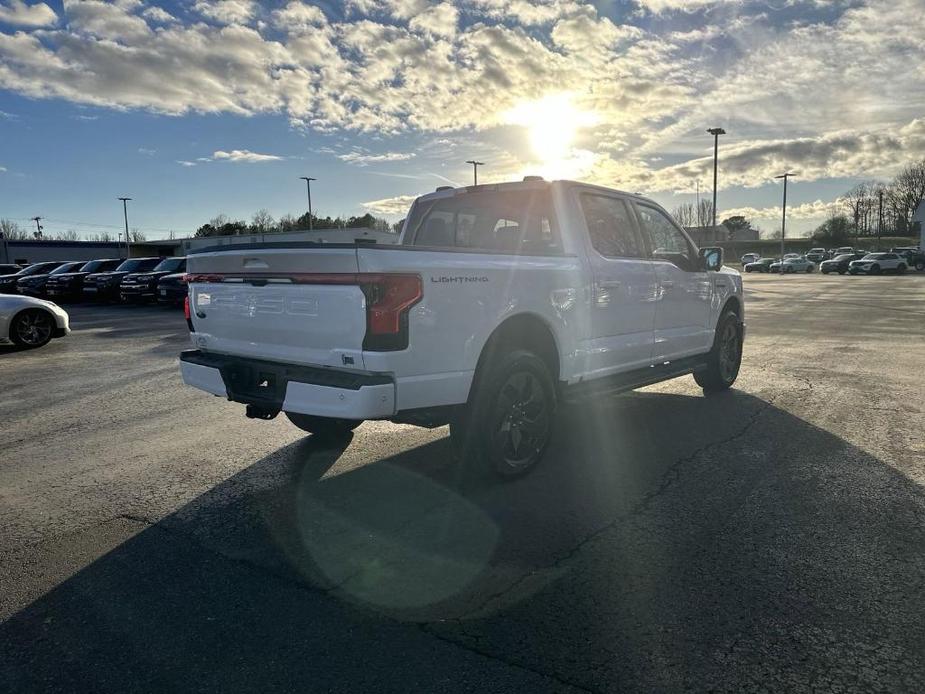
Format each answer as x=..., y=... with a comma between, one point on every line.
x=880, y=218
x=125, y=215
x=715, y=132
x=475, y=170
x=783, y=221
x=38, y=227
x=308, y=184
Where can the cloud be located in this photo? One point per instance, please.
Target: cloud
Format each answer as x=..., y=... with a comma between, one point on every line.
x=147, y=152
x=818, y=210
x=835, y=97
x=226, y=11
x=298, y=16
x=184, y=162
x=364, y=158
x=18, y=13
x=399, y=205
x=243, y=155
x=3, y=169
x=158, y=14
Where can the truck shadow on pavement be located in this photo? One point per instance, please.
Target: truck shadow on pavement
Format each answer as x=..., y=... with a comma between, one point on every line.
x=666, y=542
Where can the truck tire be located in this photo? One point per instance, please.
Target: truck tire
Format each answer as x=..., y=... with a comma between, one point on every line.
x=324, y=427
x=507, y=424
x=725, y=358
x=920, y=265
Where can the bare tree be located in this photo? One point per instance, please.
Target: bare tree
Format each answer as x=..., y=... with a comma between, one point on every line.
x=263, y=222
x=136, y=236
x=684, y=214
x=12, y=231
x=705, y=213
x=907, y=191
x=860, y=204
x=69, y=235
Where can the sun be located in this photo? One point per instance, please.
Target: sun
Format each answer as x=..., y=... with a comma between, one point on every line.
x=552, y=124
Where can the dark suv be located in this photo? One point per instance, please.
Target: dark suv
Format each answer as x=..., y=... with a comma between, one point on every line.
x=8, y=282
x=104, y=286
x=172, y=289
x=142, y=286
x=34, y=285
x=69, y=285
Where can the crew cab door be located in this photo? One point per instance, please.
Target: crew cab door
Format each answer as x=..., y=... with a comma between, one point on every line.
x=623, y=286
x=684, y=290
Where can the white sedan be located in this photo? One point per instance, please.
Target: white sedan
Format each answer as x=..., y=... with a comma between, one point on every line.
x=30, y=322
x=793, y=263
x=875, y=263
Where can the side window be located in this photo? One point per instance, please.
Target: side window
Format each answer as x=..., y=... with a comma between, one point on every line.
x=610, y=226
x=667, y=242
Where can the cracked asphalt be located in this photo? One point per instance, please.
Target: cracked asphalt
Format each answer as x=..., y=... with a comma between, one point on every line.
x=768, y=539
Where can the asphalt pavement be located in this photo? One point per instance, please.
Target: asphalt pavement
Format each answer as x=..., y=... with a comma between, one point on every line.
x=771, y=538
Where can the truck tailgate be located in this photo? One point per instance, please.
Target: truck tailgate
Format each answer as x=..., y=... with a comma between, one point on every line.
x=268, y=304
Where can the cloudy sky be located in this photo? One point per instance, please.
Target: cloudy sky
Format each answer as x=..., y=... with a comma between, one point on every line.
x=196, y=107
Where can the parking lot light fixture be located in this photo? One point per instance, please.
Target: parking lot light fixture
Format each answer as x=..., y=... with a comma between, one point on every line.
x=475, y=170
x=783, y=221
x=125, y=215
x=308, y=184
x=715, y=132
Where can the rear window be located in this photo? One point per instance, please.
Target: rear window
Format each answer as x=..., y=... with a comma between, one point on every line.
x=171, y=265
x=506, y=221
x=138, y=264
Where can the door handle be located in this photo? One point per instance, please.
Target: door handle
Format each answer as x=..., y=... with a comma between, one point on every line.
x=667, y=284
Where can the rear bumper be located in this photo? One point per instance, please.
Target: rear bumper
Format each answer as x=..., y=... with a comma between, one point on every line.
x=276, y=386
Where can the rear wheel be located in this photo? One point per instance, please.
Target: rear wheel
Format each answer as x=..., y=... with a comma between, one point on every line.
x=809, y=268
x=901, y=269
x=920, y=265
x=507, y=423
x=32, y=328
x=725, y=357
x=325, y=427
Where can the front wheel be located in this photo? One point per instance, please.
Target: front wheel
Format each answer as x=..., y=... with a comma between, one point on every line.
x=725, y=358
x=920, y=265
x=32, y=328
x=874, y=270
x=809, y=269
x=324, y=427
x=507, y=424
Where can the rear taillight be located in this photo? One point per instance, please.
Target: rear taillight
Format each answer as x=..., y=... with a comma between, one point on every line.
x=186, y=313
x=388, y=299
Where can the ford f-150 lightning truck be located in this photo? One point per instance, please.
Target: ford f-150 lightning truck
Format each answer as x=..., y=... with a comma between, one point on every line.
x=497, y=303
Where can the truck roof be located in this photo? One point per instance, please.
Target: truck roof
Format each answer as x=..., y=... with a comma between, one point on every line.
x=529, y=183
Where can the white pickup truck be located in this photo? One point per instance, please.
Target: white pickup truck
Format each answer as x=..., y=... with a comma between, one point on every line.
x=497, y=303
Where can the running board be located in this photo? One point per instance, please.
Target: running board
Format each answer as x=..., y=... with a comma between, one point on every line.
x=630, y=380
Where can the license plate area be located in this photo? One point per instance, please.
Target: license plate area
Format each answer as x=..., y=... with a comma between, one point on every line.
x=263, y=383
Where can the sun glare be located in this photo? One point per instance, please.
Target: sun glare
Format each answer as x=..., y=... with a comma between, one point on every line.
x=552, y=124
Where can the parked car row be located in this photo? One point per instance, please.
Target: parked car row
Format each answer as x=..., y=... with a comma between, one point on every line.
x=854, y=263
x=911, y=256
x=135, y=280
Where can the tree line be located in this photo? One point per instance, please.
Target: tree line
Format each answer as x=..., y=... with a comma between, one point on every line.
x=13, y=231
x=262, y=222
x=877, y=208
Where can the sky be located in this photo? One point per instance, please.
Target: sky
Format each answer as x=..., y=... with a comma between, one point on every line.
x=198, y=107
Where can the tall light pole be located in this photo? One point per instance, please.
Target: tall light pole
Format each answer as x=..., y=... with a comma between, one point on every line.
x=715, y=132
x=475, y=170
x=125, y=215
x=308, y=184
x=783, y=222
x=880, y=218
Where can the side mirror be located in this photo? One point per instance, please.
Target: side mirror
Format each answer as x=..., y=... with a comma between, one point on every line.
x=711, y=258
